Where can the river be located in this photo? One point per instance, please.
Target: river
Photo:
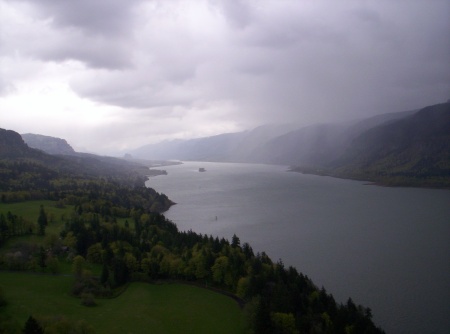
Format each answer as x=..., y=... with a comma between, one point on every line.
x=386, y=248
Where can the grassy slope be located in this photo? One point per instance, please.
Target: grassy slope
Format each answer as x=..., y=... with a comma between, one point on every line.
x=142, y=308
x=30, y=211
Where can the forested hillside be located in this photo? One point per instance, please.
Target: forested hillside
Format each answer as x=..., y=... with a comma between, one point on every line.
x=118, y=225
x=412, y=151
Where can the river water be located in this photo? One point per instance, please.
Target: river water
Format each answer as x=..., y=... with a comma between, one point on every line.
x=386, y=248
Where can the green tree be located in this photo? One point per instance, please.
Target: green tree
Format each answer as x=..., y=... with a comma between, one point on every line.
x=78, y=265
x=32, y=327
x=42, y=221
x=283, y=323
x=221, y=271
x=94, y=253
x=242, y=287
x=235, y=242
x=131, y=262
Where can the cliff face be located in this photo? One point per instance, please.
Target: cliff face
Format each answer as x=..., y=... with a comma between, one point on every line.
x=50, y=145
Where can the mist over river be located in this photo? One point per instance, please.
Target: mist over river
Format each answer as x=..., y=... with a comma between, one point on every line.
x=386, y=248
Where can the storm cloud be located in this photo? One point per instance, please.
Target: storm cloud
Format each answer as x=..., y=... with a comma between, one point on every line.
x=109, y=75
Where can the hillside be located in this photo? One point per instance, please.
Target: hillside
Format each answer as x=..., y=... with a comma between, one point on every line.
x=276, y=144
x=30, y=174
x=413, y=150
x=401, y=148
x=229, y=147
x=12, y=146
x=13, y=150
x=50, y=145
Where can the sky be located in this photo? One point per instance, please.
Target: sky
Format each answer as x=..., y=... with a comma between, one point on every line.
x=112, y=75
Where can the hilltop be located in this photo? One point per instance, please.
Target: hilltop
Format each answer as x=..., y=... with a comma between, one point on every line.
x=50, y=145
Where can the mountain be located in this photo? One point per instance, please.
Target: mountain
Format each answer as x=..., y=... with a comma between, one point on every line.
x=414, y=149
x=14, y=152
x=230, y=147
x=50, y=145
x=315, y=145
x=397, y=146
x=11, y=144
x=320, y=144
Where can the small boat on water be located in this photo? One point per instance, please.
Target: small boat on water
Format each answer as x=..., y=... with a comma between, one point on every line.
x=201, y=169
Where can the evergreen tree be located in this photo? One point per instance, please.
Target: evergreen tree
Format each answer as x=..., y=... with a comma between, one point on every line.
x=235, y=242
x=42, y=221
x=32, y=327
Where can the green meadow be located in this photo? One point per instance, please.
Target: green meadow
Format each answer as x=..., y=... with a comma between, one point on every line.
x=30, y=212
x=141, y=308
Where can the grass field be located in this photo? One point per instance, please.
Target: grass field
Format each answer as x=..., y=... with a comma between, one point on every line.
x=142, y=308
x=30, y=211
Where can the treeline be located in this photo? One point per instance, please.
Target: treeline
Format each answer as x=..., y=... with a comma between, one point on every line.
x=278, y=299
x=148, y=247
x=12, y=225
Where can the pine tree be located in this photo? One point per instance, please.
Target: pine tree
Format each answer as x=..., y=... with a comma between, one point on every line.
x=32, y=327
x=42, y=221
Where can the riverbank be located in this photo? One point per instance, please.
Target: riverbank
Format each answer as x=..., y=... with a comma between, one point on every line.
x=383, y=179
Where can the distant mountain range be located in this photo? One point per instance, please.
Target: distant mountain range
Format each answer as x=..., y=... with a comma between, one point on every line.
x=402, y=148
x=276, y=144
x=410, y=148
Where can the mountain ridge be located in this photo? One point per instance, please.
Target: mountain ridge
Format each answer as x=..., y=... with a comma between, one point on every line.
x=330, y=149
x=50, y=145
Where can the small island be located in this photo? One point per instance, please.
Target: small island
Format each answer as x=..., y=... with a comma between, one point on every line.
x=201, y=169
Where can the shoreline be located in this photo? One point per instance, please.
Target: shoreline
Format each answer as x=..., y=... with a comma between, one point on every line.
x=389, y=182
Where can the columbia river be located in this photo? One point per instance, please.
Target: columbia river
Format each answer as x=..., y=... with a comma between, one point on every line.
x=386, y=248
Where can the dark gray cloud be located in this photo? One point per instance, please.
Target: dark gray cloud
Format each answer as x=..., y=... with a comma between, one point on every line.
x=96, y=33
x=99, y=17
x=184, y=68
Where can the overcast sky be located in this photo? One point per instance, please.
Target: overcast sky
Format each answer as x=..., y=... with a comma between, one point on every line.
x=114, y=74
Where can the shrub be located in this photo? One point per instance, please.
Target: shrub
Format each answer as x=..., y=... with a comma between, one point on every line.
x=87, y=299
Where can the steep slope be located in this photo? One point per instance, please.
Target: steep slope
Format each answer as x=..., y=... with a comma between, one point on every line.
x=320, y=144
x=414, y=149
x=11, y=144
x=13, y=150
x=50, y=145
x=310, y=145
